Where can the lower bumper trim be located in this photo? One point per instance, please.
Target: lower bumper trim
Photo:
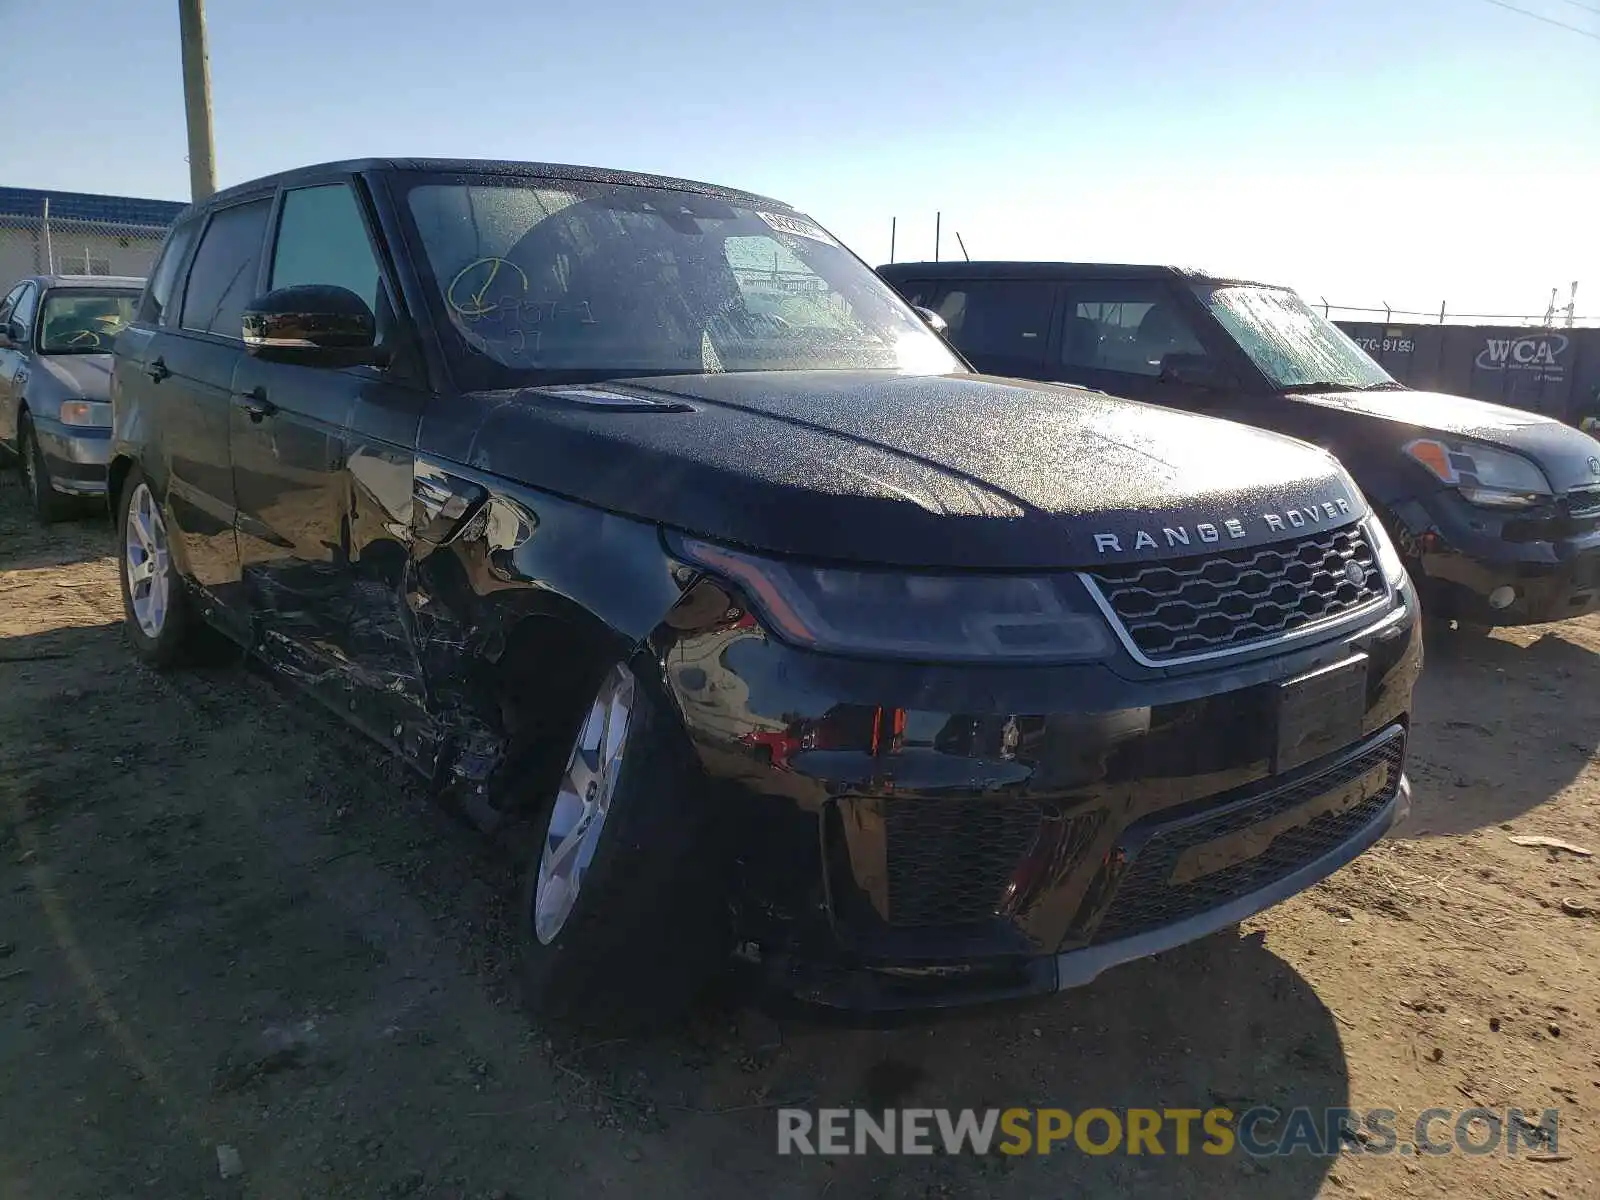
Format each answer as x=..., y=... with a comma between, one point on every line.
x=1078, y=967
x=866, y=990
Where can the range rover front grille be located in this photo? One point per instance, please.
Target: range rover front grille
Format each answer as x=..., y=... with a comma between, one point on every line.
x=1229, y=600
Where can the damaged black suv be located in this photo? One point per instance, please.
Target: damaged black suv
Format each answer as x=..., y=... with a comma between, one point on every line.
x=643, y=511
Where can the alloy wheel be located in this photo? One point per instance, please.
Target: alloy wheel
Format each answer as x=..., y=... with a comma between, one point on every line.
x=584, y=799
x=146, y=561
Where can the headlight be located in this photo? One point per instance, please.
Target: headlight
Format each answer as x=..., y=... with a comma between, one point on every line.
x=916, y=615
x=1482, y=474
x=85, y=412
x=1388, y=557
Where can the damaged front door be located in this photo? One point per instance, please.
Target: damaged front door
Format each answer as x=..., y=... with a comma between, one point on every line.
x=322, y=461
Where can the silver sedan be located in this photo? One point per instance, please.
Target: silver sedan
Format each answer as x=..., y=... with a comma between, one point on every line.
x=55, y=372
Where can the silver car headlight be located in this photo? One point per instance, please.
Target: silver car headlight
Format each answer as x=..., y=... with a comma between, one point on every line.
x=916, y=615
x=84, y=412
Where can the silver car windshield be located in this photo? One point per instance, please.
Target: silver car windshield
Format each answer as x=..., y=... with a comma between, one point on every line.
x=1292, y=344
x=80, y=321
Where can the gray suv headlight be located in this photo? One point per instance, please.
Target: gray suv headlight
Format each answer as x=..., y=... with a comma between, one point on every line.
x=1482, y=474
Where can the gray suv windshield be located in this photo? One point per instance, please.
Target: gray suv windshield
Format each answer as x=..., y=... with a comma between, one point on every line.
x=1294, y=346
x=545, y=279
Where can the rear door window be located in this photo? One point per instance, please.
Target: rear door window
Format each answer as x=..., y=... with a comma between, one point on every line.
x=27, y=306
x=1124, y=327
x=1002, y=325
x=918, y=291
x=153, y=307
x=222, y=282
x=9, y=303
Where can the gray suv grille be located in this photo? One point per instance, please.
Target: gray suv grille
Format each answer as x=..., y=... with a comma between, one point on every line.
x=1583, y=502
x=1230, y=600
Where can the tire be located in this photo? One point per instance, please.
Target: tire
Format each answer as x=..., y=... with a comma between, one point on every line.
x=48, y=505
x=647, y=926
x=162, y=641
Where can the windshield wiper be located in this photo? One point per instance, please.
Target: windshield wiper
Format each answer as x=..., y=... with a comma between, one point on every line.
x=1316, y=385
x=1328, y=385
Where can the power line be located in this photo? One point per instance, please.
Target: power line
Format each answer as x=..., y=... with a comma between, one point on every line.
x=1585, y=7
x=1548, y=20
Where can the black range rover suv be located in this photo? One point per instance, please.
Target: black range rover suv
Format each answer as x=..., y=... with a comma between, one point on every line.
x=1496, y=511
x=642, y=510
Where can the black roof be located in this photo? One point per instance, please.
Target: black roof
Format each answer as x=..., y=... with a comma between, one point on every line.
x=477, y=166
x=1020, y=269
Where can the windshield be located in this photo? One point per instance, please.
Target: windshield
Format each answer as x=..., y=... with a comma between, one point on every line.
x=1293, y=345
x=80, y=321
x=560, y=280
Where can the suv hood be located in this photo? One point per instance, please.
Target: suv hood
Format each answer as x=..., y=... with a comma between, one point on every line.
x=874, y=466
x=1568, y=457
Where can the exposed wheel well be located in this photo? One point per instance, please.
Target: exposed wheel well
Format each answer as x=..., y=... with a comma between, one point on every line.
x=115, y=474
x=543, y=682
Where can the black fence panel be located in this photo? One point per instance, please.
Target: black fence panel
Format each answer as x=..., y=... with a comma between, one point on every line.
x=1550, y=371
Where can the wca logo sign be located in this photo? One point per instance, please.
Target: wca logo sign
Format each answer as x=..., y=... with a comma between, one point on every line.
x=1541, y=354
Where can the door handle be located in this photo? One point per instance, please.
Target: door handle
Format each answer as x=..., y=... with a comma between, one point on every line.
x=255, y=403
x=157, y=370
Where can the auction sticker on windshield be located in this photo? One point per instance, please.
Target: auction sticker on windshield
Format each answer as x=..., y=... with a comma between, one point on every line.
x=797, y=226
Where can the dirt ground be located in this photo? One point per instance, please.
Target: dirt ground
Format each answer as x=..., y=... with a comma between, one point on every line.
x=225, y=922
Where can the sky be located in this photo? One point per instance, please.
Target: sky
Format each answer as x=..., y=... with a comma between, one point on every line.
x=1367, y=151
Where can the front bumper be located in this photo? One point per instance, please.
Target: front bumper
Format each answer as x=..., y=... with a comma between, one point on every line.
x=76, y=456
x=1462, y=556
x=911, y=836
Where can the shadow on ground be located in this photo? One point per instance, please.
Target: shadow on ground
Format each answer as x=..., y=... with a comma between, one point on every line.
x=1223, y=1023
x=226, y=927
x=1523, y=707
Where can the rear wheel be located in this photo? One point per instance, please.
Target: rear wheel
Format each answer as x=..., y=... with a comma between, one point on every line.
x=156, y=611
x=47, y=504
x=624, y=907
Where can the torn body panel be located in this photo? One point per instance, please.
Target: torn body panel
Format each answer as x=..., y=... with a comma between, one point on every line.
x=486, y=557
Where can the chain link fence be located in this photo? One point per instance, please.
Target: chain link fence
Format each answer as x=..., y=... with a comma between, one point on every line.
x=47, y=244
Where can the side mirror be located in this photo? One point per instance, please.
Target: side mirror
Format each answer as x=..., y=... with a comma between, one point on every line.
x=315, y=325
x=1195, y=370
x=6, y=340
x=935, y=322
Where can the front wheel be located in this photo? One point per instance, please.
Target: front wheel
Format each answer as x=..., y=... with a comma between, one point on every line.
x=47, y=504
x=625, y=908
x=155, y=607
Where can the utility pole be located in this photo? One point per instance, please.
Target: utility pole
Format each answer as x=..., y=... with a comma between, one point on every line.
x=936, y=219
x=197, y=98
